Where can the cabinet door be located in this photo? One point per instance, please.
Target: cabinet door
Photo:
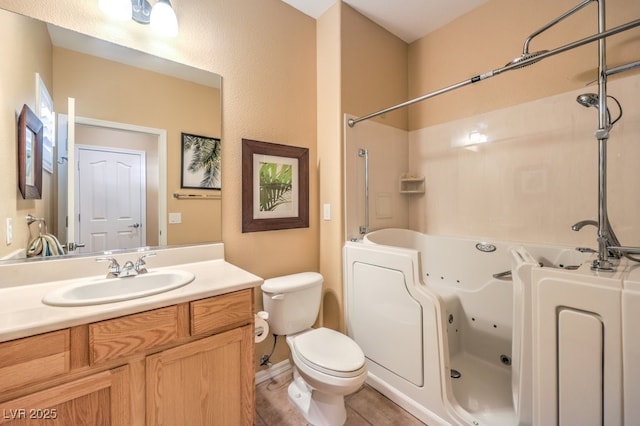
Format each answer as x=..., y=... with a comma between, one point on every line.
x=206, y=382
x=100, y=399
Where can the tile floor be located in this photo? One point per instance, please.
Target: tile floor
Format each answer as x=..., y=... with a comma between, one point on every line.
x=366, y=407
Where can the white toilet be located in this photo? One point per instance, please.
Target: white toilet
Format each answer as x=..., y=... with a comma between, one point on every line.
x=327, y=365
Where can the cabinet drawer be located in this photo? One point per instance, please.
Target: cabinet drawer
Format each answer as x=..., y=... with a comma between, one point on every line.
x=128, y=335
x=221, y=312
x=32, y=359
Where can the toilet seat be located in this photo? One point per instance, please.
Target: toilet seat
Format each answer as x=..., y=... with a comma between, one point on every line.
x=330, y=352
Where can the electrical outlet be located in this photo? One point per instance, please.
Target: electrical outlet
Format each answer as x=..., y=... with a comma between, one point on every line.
x=9, y=230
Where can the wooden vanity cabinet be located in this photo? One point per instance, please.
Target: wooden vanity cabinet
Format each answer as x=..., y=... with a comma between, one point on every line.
x=205, y=382
x=186, y=364
x=98, y=399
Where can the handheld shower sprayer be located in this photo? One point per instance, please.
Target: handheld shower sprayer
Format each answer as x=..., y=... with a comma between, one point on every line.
x=588, y=100
x=592, y=100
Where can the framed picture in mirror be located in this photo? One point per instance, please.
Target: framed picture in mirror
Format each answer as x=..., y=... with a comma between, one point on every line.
x=29, y=154
x=275, y=186
x=201, y=162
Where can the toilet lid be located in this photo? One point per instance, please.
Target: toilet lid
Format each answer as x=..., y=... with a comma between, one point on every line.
x=331, y=352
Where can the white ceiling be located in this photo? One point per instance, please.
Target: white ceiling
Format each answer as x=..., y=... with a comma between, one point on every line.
x=407, y=19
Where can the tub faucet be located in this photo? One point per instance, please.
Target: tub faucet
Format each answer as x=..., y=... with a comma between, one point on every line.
x=610, y=238
x=578, y=226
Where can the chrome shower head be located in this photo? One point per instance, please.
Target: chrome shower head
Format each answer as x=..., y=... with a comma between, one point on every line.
x=588, y=100
x=592, y=100
x=524, y=57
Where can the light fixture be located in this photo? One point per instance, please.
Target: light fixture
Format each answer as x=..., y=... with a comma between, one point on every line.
x=161, y=17
x=118, y=9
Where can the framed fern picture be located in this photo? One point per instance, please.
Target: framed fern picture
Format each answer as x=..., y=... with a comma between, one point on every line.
x=201, y=162
x=275, y=186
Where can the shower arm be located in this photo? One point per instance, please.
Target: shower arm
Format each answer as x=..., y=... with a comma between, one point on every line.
x=525, y=49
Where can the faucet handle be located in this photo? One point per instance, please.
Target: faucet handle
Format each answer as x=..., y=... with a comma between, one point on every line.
x=141, y=264
x=113, y=268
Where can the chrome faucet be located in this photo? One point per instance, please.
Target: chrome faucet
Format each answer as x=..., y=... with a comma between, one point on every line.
x=129, y=269
x=113, y=270
x=610, y=238
x=140, y=265
x=578, y=226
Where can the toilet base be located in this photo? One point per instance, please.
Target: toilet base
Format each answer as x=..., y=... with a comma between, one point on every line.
x=318, y=408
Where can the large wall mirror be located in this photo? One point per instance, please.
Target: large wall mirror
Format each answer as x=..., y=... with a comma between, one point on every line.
x=118, y=156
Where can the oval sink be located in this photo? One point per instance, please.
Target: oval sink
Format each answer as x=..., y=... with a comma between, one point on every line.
x=110, y=290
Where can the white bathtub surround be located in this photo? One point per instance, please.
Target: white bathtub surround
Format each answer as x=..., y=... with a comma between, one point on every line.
x=436, y=299
x=388, y=150
x=523, y=173
x=535, y=175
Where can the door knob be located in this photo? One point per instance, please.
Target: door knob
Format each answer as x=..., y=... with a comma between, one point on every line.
x=135, y=225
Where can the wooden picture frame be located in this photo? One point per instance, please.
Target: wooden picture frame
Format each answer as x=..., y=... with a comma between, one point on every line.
x=44, y=111
x=29, y=154
x=275, y=186
x=201, y=162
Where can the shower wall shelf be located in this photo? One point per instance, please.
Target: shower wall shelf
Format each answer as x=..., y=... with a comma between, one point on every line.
x=412, y=185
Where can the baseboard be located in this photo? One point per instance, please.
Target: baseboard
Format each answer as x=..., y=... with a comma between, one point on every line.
x=273, y=371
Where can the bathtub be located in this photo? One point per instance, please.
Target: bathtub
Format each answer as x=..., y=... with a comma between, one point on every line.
x=445, y=322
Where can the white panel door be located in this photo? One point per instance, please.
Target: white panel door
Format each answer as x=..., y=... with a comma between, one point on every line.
x=111, y=198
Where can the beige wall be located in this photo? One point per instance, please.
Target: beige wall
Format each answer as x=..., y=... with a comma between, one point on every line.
x=29, y=44
x=330, y=163
x=374, y=69
x=492, y=35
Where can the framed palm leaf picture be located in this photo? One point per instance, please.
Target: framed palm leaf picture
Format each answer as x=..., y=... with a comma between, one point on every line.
x=275, y=186
x=201, y=162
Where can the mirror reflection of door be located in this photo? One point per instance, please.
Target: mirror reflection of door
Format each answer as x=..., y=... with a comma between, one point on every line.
x=111, y=196
x=111, y=136
x=119, y=138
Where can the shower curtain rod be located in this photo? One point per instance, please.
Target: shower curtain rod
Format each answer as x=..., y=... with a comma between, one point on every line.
x=520, y=63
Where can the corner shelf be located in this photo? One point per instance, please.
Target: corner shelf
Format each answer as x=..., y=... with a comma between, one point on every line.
x=412, y=185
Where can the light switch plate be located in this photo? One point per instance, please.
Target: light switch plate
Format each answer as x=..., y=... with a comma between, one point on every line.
x=326, y=211
x=175, y=217
x=9, y=230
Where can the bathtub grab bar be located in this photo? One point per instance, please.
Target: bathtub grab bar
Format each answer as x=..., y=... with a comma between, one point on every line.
x=506, y=275
x=365, y=153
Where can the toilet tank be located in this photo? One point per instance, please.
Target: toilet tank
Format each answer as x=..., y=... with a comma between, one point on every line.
x=292, y=301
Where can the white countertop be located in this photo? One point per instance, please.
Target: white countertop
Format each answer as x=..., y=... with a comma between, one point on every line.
x=22, y=312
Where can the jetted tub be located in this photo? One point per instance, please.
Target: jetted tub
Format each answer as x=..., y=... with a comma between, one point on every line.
x=445, y=322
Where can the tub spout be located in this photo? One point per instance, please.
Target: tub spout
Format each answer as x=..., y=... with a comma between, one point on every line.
x=578, y=226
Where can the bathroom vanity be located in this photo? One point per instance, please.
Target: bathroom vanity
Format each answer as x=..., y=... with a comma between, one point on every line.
x=185, y=356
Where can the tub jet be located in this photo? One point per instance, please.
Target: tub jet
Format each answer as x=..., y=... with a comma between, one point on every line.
x=455, y=374
x=505, y=359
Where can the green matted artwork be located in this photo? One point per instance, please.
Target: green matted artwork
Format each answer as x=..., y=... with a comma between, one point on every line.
x=275, y=186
